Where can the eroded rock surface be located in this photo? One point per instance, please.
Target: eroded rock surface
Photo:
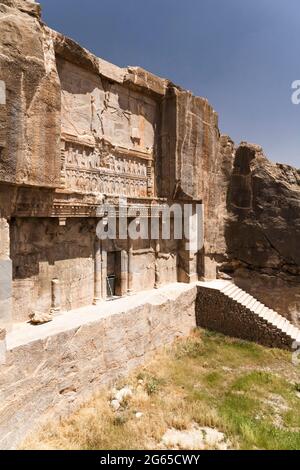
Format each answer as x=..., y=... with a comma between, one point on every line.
x=262, y=229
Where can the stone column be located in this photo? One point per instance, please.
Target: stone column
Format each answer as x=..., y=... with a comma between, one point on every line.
x=103, y=270
x=157, y=272
x=3, y=347
x=210, y=268
x=98, y=273
x=56, y=296
x=124, y=273
x=130, y=267
x=5, y=286
x=190, y=246
x=5, y=276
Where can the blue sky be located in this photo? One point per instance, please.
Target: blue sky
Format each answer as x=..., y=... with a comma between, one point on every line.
x=242, y=55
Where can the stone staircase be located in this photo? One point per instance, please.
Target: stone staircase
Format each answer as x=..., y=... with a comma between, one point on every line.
x=265, y=313
x=262, y=317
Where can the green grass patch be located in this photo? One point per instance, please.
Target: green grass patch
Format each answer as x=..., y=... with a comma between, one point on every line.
x=244, y=390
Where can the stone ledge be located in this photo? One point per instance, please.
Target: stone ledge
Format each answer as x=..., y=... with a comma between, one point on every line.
x=50, y=370
x=25, y=333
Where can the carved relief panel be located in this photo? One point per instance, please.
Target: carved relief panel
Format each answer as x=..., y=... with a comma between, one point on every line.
x=95, y=108
x=88, y=169
x=108, y=135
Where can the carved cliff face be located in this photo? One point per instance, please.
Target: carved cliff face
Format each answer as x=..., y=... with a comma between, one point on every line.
x=190, y=139
x=80, y=129
x=30, y=117
x=110, y=133
x=72, y=121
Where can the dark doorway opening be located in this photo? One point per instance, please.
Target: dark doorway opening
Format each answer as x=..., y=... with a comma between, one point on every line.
x=113, y=280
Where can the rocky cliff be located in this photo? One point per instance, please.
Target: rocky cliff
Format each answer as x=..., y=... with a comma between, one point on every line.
x=262, y=228
x=62, y=108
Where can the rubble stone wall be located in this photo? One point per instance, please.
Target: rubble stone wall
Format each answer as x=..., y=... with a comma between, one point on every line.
x=220, y=313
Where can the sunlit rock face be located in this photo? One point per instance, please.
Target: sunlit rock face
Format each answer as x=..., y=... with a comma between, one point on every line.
x=263, y=229
x=30, y=115
x=77, y=132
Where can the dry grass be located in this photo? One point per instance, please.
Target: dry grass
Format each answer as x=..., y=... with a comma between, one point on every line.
x=248, y=392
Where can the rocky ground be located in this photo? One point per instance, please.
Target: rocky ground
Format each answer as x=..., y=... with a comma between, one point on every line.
x=205, y=392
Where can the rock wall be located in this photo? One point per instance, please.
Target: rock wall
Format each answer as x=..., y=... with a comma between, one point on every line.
x=77, y=132
x=31, y=100
x=262, y=230
x=190, y=138
x=42, y=250
x=264, y=199
x=51, y=369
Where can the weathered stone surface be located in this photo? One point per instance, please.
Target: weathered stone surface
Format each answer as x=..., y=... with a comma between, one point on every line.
x=39, y=318
x=136, y=77
x=265, y=201
x=76, y=133
x=27, y=6
x=30, y=117
x=52, y=368
x=262, y=228
x=189, y=145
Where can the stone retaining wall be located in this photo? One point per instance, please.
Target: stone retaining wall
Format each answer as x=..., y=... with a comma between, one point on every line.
x=217, y=312
x=52, y=373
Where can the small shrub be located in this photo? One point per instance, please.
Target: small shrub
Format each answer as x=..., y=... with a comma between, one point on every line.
x=190, y=348
x=153, y=385
x=119, y=420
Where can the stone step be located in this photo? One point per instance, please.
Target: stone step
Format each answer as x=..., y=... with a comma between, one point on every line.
x=290, y=330
x=250, y=303
x=226, y=286
x=280, y=323
x=259, y=308
x=267, y=314
x=296, y=334
x=233, y=292
x=273, y=315
x=239, y=295
x=257, y=303
x=245, y=299
x=226, y=290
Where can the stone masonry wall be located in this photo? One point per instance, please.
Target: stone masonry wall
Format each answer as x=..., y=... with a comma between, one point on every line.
x=218, y=312
x=50, y=376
